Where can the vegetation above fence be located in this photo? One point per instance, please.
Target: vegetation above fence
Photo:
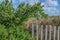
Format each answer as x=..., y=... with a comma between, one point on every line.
x=55, y=20
x=12, y=19
x=9, y=16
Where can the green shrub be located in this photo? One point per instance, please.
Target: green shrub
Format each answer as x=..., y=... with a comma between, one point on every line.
x=3, y=33
x=14, y=33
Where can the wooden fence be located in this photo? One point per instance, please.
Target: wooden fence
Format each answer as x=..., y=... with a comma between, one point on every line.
x=45, y=32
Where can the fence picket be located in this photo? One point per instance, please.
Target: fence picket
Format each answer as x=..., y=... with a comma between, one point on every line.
x=37, y=31
x=46, y=33
x=41, y=32
x=32, y=30
x=50, y=29
x=54, y=32
x=58, y=33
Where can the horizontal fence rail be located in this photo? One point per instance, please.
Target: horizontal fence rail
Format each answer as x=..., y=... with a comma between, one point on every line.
x=47, y=32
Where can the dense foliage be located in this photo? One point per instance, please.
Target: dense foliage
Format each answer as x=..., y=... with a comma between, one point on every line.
x=14, y=33
x=11, y=19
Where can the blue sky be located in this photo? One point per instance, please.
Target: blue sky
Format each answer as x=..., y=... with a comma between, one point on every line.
x=51, y=7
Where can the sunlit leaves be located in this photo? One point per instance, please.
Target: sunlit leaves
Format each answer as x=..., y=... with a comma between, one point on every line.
x=11, y=19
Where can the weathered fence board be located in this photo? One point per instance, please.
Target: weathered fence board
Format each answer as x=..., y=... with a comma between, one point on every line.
x=32, y=30
x=47, y=32
x=54, y=32
x=37, y=32
x=50, y=29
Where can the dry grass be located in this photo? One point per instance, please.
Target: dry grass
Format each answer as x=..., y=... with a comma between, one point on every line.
x=45, y=21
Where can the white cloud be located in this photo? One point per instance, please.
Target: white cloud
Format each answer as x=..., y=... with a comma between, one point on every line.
x=32, y=2
x=51, y=2
x=51, y=11
x=50, y=7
